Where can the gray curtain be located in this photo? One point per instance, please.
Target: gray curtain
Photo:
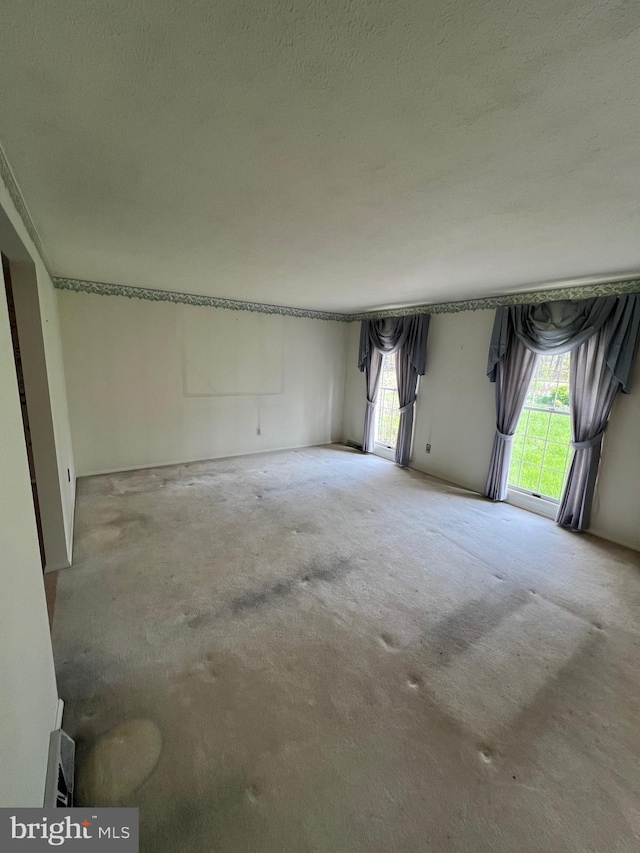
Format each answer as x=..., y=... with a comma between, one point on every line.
x=373, y=369
x=407, y=337
x=513, y=374
x=552, y=328
x=592, y=390
x=410, y=363
x=602, y=334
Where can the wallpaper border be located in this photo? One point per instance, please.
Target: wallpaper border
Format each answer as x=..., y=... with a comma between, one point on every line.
x=533, y=297
x=9, y=180
x=102, y=288
x=584, y=291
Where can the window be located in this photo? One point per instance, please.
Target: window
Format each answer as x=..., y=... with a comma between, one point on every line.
x=541, y=449
x=387, y=414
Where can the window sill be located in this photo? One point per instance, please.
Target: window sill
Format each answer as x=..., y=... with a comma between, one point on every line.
x=541, y=506
x=386, y=452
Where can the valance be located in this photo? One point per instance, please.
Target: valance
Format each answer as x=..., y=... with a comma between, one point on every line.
x=551, y=328
x=391, y=335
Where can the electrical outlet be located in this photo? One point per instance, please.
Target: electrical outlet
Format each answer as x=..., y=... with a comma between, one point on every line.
x=428, y=448
x=258, y=431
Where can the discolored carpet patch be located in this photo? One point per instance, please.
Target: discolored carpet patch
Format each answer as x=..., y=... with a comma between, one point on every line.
x=501, y=673
x=120, y=762
x=338, y=655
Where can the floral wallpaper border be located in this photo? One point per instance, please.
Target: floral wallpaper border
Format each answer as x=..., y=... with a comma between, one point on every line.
x=103, y=289
x=584, y=291
x=610, y=288
x=8, y=179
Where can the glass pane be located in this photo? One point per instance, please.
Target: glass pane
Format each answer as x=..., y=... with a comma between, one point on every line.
x=388, y=416
x=529, y=477
x=560, y=428
x=522, y=423
x=555, y=456
x=540, y=451
x=551, y=483
x=538, y=424
x=388, y=376
x=562, y=397
x=533, y=451
x=514, y=471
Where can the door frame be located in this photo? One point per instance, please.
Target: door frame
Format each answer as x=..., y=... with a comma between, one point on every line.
x=30, y=329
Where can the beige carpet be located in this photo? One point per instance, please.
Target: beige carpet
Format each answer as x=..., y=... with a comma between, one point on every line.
x=331, y=654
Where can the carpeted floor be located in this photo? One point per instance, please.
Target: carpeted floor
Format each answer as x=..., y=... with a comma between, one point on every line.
x=328, y=653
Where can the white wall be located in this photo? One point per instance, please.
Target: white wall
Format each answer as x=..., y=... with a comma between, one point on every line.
x=30, y=322
x=28, y=696
x=355, y=399
x=58, y=398
x=616, y=510
x=128, y=367
x=18, y=246
x=455, y=413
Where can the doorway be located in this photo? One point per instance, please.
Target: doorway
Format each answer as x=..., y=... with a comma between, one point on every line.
x=26, y=328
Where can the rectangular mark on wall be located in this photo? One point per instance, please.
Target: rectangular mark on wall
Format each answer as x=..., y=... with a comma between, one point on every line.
x=231, y=353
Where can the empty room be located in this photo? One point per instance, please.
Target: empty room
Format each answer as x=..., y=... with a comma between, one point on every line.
x=320, y=426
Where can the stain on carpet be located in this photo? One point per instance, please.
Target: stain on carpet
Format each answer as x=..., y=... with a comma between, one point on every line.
x=460, y=630
x=494, y=680
x=199, y=620
x=120, y=762
x=314, y=571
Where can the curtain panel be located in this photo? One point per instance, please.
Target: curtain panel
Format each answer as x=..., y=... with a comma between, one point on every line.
x=592, y=390
x=602, y=335
x=407, y=337
x=513, y=377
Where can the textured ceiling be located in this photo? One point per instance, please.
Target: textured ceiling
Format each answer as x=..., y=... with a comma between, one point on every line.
x=326, y=153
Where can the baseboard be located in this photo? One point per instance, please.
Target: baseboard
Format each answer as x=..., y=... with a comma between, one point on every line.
x=59, y=713
x=146, y=466
x=73, y=520
x=593, y=531
x=55, y=567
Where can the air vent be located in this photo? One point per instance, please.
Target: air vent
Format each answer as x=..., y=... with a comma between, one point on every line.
x=60, y=771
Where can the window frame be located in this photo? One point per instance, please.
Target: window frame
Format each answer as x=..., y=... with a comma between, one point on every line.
x=537, y=501
x=384, y=449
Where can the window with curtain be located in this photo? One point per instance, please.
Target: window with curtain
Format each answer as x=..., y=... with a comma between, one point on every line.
x=387, y=409
x=601, y=334
x=541, y=451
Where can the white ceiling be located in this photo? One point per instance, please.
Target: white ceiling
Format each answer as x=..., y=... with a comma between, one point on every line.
x=330, y=154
